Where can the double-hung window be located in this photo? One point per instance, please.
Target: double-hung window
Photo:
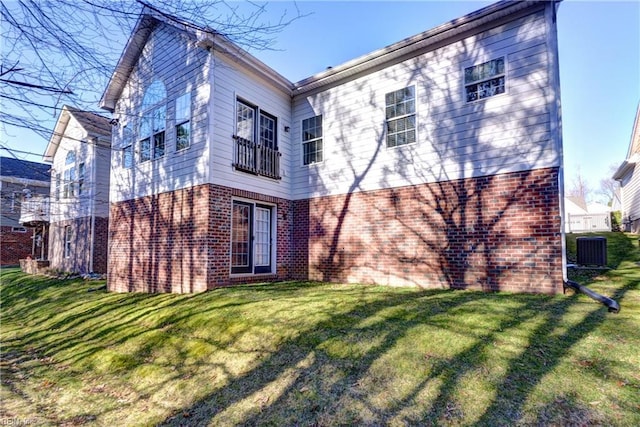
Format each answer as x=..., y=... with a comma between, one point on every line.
x=183, y=121
x=312, y=149
x=68, y=236
x=153, y=122
x=69, y=176
x=401, y=116
x=484, y=80
x=81, y=177
x=127, y=147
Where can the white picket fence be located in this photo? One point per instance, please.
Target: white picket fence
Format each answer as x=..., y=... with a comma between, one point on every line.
x=583, y=223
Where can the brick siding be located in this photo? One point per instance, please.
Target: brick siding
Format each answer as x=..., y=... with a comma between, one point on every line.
x=491, y=233
x=180, y=241
x=14, y=245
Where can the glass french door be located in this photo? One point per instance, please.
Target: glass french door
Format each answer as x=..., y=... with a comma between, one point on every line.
x=251, y=238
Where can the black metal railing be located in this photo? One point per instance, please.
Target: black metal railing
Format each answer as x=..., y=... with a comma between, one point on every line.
x=256, y=159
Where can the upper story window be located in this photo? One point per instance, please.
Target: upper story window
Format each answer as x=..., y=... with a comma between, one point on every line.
x=127, y=147
x=81, y=177
x=256, y=141
x=153, y=122
x=401, y=116
x=70, y=176
x=312, y=150
x=183, y=121
x=484, y=80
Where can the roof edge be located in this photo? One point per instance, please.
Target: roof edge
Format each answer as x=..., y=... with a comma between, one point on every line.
x=417, y=42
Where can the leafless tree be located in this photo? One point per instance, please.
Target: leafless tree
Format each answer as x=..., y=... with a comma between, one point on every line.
x=579, y=187
x=57, y=52
x=608, y=185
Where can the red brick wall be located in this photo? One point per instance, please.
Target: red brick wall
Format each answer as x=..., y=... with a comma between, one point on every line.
x=492, y=233
x=14, y=245
x=159, y=243
x=101, y=239
x=180, y=241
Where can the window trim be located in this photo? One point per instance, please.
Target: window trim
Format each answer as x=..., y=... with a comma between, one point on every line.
x=149, y=115
x=312, y=140
x=253, y=269
x=504, y=74
x=69, y=176
x=67, y=238
x=181, y=121
x=402, y=116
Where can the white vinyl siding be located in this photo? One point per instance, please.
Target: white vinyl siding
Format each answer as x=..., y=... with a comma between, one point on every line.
x=184, y=70
x=232, y=84
x=454, y=139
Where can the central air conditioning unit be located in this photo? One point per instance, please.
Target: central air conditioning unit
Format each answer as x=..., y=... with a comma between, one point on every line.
x=592, y=251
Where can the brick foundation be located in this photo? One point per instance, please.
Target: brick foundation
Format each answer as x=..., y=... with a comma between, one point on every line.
x=14, y=245
x=180, y=241
x=490, y=233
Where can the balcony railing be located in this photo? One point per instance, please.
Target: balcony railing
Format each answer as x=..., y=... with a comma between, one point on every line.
x=256, y=159
x=34, y=210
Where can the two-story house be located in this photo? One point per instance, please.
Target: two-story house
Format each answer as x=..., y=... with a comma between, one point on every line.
x=436, y=161
x=628, y=175
x=80, y=153
x=20, y=182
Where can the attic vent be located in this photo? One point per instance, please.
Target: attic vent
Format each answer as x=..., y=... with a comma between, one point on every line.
x=592, y=251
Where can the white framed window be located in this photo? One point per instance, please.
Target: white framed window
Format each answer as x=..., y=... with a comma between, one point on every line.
x=245, y=114
x=400, y=113
x=183, y=121
x=81, y=178
x=127, y=147
x=58, y=185
x=68, y=236
x=153, y=122
x=69, y=176
x=312, y=147
x=18, y=230
x=485, y=80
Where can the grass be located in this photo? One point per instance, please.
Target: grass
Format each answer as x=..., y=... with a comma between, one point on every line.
x=321, y=354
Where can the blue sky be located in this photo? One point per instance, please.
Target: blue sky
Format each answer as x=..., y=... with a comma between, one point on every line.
x=599, y=43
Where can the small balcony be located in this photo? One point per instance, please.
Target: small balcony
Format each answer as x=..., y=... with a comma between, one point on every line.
x=34, y=211
x=256, y=159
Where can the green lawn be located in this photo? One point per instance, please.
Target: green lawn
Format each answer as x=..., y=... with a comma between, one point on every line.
x=322, y=354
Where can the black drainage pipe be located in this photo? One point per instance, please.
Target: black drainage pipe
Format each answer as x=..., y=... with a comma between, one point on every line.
x=611, y=304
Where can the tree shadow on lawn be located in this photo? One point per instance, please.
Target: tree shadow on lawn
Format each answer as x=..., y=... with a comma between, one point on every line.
x=335, y=374
x=372, y=357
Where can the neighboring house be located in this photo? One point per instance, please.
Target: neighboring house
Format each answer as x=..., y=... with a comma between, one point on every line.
x=80, y=152
x=20, y=180
x=628, y=174
x=581, y=217
x=434, y=162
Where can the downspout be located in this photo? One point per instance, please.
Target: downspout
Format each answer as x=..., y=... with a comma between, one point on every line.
x=93, y=204
x=556, y=118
